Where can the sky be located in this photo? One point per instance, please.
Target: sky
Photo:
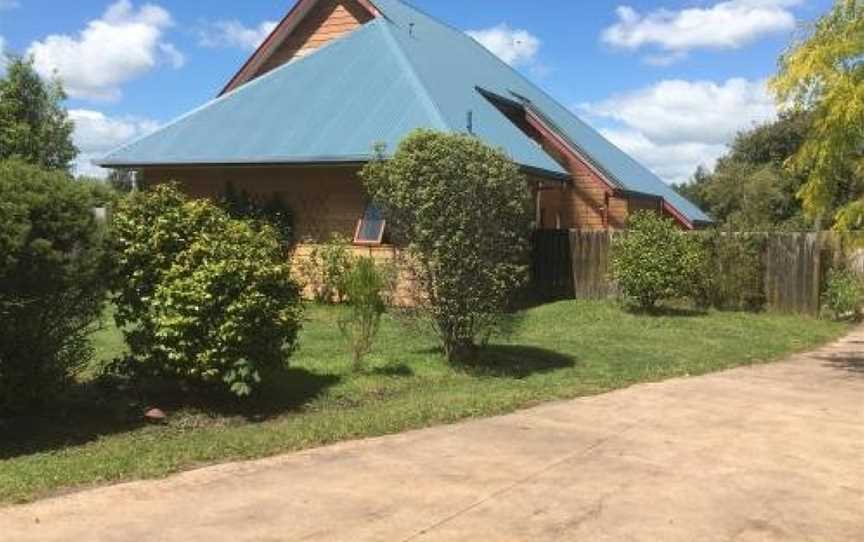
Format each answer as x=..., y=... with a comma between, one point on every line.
x=669, y=81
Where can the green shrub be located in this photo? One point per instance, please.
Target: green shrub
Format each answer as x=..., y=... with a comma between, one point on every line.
x=201, y=297
x=843, y=296
x=364, y=284
x=733, y=271
x=463, y=212
x=53, y=263
x=243, y=206
x=325, y=267
x=654, y=260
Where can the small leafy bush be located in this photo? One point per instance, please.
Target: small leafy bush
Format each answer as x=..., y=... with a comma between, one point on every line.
x=201, y=297
x=325, y=267
x=843, y=296
x=365, y=284
x=53, y=269
x=655, y=261
x=463, y=212
x=733, y=271
x=243, y=206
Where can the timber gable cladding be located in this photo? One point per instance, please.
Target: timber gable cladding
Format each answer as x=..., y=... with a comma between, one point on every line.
x=300, y=34
x=337, y=76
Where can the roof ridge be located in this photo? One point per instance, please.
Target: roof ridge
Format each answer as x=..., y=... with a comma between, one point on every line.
x=524, y=79
x=437, y=116
x=222, y=97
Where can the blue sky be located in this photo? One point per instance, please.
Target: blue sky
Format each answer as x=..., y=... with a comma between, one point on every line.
x=670, y=81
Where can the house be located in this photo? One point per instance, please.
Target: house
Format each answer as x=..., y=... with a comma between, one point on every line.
x=335, y=77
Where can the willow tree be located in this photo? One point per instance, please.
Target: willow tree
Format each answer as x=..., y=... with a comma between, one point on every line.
x=824, y=73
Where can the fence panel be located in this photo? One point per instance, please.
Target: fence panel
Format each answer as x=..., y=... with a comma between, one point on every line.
x=793, y=272
x=576, y=264
x=590, y=254
x=551, y=264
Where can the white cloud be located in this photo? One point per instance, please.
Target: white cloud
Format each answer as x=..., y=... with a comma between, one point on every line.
x=515, y=47
x=96, y=134
x=234, y=34
x=9, y=4
x=674, y=126
x=673, y=162
x=725, y=25
x=122, y=45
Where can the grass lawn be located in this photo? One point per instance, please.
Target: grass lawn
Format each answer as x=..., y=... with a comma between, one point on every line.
x=561, y=350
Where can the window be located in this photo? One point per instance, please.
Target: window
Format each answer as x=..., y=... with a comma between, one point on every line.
x=370, y=228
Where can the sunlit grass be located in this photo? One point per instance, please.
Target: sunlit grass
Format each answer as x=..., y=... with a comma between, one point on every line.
x=561, y=350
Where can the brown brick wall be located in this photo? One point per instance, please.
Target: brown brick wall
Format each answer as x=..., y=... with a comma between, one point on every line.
x=323, y=200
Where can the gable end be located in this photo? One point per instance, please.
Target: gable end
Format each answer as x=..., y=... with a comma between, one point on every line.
x=310, y=25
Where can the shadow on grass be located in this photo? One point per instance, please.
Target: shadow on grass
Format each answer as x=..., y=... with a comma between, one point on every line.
x=516, y=361
x=667, y=311
x=400, y=370
x=96, y=409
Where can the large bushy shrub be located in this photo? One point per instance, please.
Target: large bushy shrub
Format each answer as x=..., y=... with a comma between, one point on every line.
x=200, y=296
x=52, y=281
x=732, y=276
x=463, y=212
x=654, y=260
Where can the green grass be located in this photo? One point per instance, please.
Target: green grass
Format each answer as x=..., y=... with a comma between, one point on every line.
x=561, y=350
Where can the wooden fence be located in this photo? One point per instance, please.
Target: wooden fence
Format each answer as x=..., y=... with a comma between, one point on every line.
x=576, y=264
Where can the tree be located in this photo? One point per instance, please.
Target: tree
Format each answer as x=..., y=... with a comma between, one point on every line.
x=750, y=189
x=122, y=180
x=823, y=73
x=462, y=211
x=34, y=126
x=53, y=275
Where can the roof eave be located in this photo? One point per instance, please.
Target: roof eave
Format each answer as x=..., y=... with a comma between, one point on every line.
x=321, y=160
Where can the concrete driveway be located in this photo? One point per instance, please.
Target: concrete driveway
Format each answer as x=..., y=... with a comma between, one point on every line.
x=766, y=453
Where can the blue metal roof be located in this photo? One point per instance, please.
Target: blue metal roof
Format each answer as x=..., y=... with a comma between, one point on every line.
x=395, y=74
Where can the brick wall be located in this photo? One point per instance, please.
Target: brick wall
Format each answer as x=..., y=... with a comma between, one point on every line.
x=323, y=200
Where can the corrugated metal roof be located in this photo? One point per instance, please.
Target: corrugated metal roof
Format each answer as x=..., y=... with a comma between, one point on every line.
x=331, y=106
x=451, y=65
x=391, y=76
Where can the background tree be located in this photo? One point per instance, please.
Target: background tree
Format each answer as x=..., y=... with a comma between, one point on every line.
x=34, y=126
x=121, y=180
x=823, y=73
x=749, y=188
x=462, y=210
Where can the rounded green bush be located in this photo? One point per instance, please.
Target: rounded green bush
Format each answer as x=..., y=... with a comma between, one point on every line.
x=202, y=297
x=654, y=260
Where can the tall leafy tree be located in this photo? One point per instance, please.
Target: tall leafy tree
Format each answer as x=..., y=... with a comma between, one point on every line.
x=34, y=125
x=749, y=188
x=824, y=73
